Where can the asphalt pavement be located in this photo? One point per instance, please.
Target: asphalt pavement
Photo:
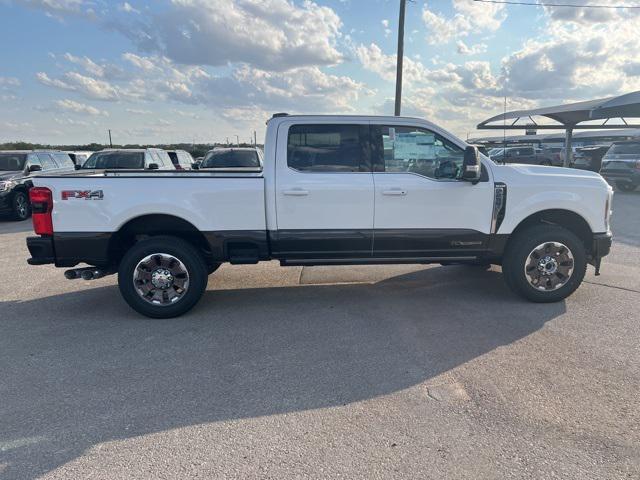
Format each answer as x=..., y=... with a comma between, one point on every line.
x=324, y=372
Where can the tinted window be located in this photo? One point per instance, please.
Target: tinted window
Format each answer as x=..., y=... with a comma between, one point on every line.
x=115, y=160
x=624, y=149
x=47, y=161
x=231, y=159
x=328, y=148
x=416, y=150
x=63, y=160
x=174, y=157
x=12, y=162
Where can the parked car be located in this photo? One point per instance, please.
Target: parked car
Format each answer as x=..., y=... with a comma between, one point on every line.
x=181, y=160
x=233, y=158
x=17, y=170
x=621, y=165
x=330, y=186
x=79, y=158
x=129, y=159
x=524, y=155
x=589, y=158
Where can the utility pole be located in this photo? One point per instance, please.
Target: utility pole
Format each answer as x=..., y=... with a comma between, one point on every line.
x=403, y=7
x=255, y=138
x=110, y=142
x=238, y=140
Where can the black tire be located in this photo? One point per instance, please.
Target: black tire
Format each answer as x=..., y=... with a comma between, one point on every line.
x=186, y=253
x=626, y=187
x=546, y=163
x=517, y=257
x=21, y=206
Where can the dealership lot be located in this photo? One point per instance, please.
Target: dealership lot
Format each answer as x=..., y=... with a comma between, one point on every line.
x=343, y=372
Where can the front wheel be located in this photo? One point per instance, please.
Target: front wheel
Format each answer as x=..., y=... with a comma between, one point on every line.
x=544, y=263
x=21, y=207
x=162, y=277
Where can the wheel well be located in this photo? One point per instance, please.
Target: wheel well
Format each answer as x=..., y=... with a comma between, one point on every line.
x=153, y=225
x=563, y=218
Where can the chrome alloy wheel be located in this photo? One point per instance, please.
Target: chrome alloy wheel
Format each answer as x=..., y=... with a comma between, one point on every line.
x=22, y=206
x=549, y=266
x=161, y=279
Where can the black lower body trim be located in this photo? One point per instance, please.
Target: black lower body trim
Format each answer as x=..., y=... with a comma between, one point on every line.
x=41, y=250
x=73, y=248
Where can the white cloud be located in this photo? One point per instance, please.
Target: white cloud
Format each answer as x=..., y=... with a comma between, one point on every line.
x=89, y=87
x=80, y=108
x=267, y=34
x=9, y=82
x=127, y=8
x=464, y=49
x=469, y=17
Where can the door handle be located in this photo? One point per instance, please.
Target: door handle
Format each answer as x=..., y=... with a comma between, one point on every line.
x=395, y=192
x=296, y=192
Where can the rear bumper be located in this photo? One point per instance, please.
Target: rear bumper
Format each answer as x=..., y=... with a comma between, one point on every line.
x=41, y=250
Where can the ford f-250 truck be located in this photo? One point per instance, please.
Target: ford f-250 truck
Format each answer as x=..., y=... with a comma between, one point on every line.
x=334, y=190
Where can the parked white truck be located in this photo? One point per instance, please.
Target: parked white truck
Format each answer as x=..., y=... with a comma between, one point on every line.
x=334, y=190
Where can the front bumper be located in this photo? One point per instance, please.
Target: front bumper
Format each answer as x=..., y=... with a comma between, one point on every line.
x=5, y=202
x=41, y=250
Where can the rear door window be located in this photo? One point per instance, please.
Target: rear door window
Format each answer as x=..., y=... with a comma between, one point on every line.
x=115, y=160
x=63, y=160
x=47, y=161
x=328, y=148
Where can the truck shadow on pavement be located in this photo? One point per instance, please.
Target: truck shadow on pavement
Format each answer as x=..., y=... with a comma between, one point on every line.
x=95, y=372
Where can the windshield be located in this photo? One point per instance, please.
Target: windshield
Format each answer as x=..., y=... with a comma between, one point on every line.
x=624, y=149
x=115, y=160
x=12, y=162
x=231, y=159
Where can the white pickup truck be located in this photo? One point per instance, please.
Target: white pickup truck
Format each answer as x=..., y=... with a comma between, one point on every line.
x=334, y=190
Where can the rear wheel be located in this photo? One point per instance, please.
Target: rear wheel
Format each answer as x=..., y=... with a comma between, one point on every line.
x=162, y=277
x=544, y=263
x=21, y=207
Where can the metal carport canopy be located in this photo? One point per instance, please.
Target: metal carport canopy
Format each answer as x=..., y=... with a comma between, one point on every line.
x=571, y=115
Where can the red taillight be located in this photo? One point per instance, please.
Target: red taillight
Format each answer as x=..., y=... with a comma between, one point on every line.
x=41, y=208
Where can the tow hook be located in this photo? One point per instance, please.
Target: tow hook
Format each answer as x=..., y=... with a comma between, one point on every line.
x=89, y=273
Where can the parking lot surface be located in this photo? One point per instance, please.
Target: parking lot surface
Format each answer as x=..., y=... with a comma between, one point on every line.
x=341, y=372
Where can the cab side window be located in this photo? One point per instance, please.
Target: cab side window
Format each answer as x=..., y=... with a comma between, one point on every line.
x=416, y=150
x=328, y=148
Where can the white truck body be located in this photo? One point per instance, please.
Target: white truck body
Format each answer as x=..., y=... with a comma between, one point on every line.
x=294, y=211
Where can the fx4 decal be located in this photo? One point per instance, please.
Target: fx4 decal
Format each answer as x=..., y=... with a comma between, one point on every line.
x=83, y=194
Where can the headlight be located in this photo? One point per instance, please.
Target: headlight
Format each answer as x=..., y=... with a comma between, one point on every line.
x=8, y=185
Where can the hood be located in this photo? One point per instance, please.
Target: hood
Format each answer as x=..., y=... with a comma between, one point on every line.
x=546, y=171
x=4, y=176
x=548, y=177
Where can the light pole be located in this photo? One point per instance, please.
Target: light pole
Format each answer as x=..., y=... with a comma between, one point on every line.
x=403, y=7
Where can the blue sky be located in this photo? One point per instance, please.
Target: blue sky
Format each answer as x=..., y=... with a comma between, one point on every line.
x=204, y=70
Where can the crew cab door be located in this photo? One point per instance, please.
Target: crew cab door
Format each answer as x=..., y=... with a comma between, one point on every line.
x=422, y=209
x=324, y=191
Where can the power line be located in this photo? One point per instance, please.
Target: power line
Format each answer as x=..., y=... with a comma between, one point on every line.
x=545, y=4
